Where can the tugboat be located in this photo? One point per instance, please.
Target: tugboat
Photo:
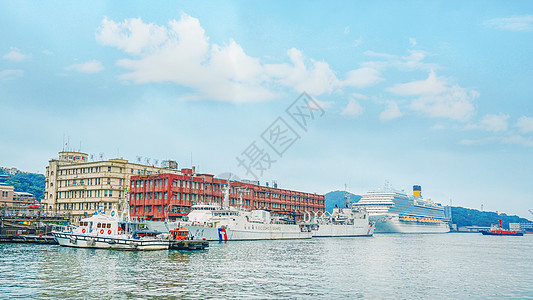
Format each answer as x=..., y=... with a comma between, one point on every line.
x=180, y=239
x=498, y=230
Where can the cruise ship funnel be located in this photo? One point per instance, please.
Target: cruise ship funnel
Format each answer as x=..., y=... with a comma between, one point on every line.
x=417, y=191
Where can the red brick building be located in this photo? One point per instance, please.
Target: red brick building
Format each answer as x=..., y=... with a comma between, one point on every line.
x=171, y=196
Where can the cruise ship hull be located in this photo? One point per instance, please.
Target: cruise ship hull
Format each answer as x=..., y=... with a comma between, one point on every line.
x=392, y=224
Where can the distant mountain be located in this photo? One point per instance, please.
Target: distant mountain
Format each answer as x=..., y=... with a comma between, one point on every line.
x=337, y=198
x=473, y=217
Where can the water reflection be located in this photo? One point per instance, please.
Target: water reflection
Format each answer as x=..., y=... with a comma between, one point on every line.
x=385, y=266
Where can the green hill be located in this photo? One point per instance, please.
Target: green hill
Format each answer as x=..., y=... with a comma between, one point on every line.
x=337, y=198
x=473, y=217
x=26, y=182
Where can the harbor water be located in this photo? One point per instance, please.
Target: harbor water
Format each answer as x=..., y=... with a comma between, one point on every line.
x=397, y=266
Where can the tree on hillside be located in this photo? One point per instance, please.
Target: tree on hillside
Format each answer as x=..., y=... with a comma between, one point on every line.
x=29, y=183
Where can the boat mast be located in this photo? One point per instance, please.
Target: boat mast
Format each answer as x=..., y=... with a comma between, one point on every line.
x=225, y=202
x=346, y=197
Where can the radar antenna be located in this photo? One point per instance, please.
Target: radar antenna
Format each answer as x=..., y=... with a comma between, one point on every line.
x=346, y=198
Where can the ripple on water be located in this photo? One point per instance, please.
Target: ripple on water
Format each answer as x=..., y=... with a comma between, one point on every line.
x=385, y=266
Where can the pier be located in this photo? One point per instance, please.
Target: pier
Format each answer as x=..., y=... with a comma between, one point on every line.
x=30, y=239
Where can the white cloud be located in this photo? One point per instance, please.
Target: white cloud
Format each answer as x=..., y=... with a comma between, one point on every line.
x=315, y=78
x=438, y=98
x=353, y=109
x=412, y=62
x=438, y=127
x=89, y=67
x=517, y=140
x=15, y=55
x=186, y=58
x=325, y=105
x=412, y=41
x=181, y=53
x=359, y=96
x=362, y=77
x=391, y=112
x=525, y=124
x=509, y=140
x=514, y=23
x=430, y=86
x=11, y=74
x=133, y=35
x=494, y=123
x=358, y=42
x=346, y=29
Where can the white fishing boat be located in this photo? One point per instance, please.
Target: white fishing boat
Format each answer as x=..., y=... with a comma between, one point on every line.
x=107, y=232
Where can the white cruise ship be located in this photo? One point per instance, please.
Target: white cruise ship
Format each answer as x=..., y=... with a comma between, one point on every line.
x=396, y=212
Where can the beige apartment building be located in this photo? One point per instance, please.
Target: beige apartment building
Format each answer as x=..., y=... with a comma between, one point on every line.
x=6, y=196
x=77, y=188
x=16, y=203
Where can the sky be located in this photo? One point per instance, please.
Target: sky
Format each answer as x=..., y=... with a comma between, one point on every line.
x=315, y=95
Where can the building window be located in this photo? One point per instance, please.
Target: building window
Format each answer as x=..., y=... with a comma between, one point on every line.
x=108, y=169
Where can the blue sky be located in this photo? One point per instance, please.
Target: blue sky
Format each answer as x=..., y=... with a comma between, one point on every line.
x=435, y=93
